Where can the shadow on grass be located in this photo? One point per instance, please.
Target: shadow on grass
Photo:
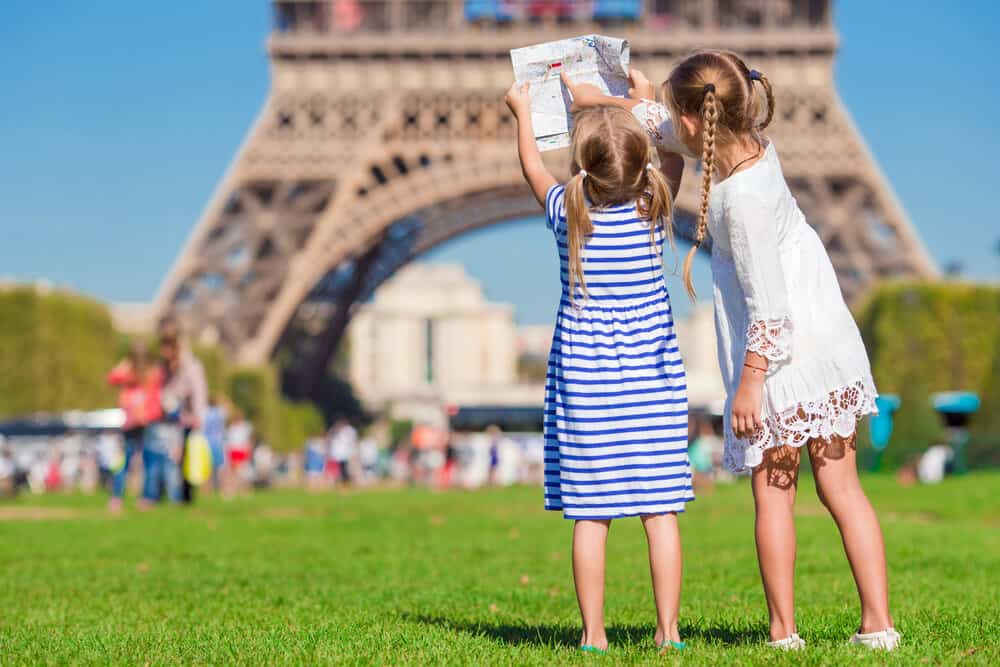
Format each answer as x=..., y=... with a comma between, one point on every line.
x=562, y=635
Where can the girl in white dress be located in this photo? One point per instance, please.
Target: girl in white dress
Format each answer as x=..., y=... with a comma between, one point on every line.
x=791, y=356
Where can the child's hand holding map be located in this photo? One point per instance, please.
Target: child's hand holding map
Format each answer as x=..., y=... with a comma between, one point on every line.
x=591, y=59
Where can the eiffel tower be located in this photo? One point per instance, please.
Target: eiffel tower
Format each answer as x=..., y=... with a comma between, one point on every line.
x=384, y=134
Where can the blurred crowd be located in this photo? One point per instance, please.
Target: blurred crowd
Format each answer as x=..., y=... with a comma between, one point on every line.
x=323, y=16
x=92, y=460
x=426, y=456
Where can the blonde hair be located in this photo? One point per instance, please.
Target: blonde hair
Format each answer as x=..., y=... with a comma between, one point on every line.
x=718, y=87
x=612, y=165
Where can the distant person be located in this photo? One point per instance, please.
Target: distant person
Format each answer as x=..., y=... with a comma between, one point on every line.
x=88, y=476
x=215, y=433
x=315, y=461
x=562, y=10
x=263, y=465
x=140, y=381
x=38, y=468
x=705, y=452
x=347, y=15
x=401, y=468
x=185, y=396
x=933, y=464
x=239, y=445
x=368, y=458
x=792, y=358
x=8, y=473
x=110, y=456
x=483, y=11
x=509, y=457
x=623, y=10
x=616, y=400
x=343, y=448
x=53, y=472
x=476, y=460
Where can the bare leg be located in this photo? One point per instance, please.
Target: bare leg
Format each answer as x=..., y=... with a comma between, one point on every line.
x=835, y=469
x=589, y=541
x=775, y=481
x=664, y=539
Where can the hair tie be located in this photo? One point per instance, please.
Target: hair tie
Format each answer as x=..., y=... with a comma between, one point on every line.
x=583, y=173
x=708, y=88
x=755, y=75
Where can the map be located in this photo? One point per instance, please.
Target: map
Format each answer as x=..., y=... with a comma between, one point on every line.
x=595, y=59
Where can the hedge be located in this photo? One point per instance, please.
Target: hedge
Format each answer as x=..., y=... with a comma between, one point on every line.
x=57, y=348
x=55, y=352
x=924, y=338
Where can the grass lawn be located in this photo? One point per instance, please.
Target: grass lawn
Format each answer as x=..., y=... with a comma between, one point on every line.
x=411, y=576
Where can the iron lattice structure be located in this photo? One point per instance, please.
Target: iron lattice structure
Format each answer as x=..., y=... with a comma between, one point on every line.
x=384, y=134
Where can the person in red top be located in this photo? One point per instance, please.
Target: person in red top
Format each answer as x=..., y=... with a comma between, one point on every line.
x=140, y=380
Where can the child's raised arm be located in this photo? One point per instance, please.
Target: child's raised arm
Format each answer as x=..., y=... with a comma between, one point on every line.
x=652, y=116
x=672, y=166
x=535, y=172
x=585, y=95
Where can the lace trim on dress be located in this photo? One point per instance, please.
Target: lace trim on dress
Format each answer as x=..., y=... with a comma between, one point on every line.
x=655, y=119
x=771, y=338
x=835, y=415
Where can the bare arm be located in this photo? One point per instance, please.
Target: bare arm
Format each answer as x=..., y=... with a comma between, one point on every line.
x=534, y=170
x=586, y=95
x=672, y=166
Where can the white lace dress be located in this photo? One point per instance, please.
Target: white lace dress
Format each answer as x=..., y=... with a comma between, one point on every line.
x=776, y=294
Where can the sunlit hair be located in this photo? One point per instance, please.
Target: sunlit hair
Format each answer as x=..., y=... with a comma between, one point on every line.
x=139, y=358
x=612, y=148
x=729, y=113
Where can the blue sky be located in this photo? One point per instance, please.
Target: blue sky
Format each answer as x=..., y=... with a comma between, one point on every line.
x=119, y=118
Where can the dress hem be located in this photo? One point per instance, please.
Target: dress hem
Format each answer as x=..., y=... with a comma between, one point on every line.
x=836, y=415
x=627, y=515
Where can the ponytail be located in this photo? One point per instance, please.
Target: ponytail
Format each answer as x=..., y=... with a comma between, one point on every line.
x=578, y=228
x=659, y=208
x=768, y=94
x=709, y=115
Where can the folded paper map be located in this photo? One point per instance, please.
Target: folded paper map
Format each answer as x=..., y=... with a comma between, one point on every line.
x=595, y=59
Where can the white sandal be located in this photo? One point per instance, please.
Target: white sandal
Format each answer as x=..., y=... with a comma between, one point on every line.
x=790, y=643
x=885, y=640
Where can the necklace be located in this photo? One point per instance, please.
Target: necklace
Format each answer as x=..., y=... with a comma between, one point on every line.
x=744, y=161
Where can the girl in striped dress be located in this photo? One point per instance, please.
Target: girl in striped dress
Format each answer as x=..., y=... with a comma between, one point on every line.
x=616, y=401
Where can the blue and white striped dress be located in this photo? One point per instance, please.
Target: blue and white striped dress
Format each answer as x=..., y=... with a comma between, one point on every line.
x=616, y=414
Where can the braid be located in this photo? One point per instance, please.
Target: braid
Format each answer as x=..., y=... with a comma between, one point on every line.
x=769, y=93
x=709, y=117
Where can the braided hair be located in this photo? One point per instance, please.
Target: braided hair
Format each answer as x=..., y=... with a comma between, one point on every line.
x=718, y=87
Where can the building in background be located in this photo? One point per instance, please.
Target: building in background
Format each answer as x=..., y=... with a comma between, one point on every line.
x=429, y=339
x=697, y=341
x=133, y=317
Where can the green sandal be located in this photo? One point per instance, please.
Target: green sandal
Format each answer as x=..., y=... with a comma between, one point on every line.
x=671, y=644
x=587, y=648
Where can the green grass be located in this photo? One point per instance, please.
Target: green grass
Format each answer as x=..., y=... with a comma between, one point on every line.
x=411, y=576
